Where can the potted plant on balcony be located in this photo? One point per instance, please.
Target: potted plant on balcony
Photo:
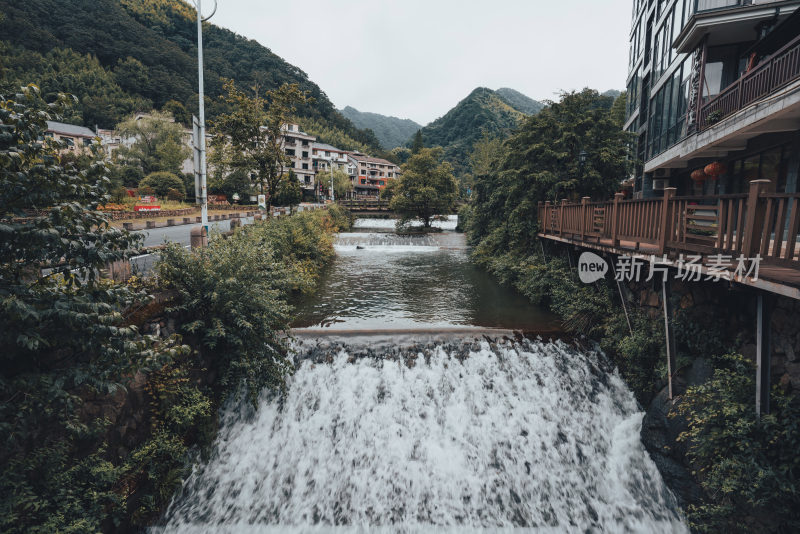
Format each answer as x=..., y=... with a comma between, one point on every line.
x=714, y=117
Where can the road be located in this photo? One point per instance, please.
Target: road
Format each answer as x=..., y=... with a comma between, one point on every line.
x=181, y=234
x=143, y=264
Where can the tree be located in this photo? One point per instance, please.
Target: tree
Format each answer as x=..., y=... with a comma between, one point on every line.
x=542, y=162
x=427, y=189
x=250, y=136
x=162, y=182
x=236, y=181
x=158, y=143
x=400, y=155
x=63, y=335
x=417, y=144
x=342, y=184
x=289, y=191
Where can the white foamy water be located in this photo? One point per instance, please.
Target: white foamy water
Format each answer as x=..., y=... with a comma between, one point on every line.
x=462, y=438
x=389, y=224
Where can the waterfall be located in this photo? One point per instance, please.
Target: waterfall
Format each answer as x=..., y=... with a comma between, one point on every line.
x=465, y=436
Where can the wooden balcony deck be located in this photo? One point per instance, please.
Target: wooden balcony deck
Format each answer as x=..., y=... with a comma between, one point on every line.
x=775, y=72
x=761, y=223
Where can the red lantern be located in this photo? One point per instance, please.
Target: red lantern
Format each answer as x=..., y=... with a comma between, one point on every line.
x=698, y=176
x=715, y=170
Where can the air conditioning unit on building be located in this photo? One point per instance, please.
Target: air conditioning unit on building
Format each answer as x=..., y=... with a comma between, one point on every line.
x=659, y=184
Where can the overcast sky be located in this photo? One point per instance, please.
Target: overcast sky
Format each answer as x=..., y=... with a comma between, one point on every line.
x=417, y=58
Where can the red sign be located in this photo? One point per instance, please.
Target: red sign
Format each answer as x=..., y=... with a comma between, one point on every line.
x=147, y=198
x=149, y=207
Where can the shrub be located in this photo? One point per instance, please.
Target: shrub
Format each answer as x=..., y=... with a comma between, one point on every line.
x=162, y=182
x=174, y=194
x=233, y=295
x=748, y=467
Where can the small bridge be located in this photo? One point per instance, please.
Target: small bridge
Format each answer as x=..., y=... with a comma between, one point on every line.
x=366, y=206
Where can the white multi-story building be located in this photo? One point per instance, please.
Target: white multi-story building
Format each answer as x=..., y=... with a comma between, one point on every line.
x=298, y=146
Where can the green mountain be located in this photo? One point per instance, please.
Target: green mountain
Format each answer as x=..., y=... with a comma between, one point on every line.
x=484, y=110
x=390, y=131
x=120, y=56
x=519, y=101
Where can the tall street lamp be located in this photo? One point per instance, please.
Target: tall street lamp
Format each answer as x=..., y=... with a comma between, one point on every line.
x=331, y=164
x=201, y=141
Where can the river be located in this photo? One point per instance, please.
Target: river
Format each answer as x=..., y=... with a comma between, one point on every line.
x=415, y=409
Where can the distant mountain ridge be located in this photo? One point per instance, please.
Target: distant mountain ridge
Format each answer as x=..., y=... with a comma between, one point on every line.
x=497, y=113
x=390, y=131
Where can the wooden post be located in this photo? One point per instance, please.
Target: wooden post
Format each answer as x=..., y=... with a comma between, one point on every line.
x=561, y=216
x=754, y=221
x=763, y=353
x=584, y=207
x=664, y=230
x=615, y=212
x=666, y=294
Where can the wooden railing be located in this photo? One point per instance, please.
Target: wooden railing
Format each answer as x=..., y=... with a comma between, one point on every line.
x=759, y=222
x=770, y=75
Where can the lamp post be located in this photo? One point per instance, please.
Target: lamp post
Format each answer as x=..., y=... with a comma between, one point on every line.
x=201, y=142
x=331, y=164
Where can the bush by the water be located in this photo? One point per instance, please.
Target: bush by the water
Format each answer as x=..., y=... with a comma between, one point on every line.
x=233, y=296
x=748, y=467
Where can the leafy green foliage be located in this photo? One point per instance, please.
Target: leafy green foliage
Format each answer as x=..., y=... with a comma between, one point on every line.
x=63, y=338
x=162, y=183
x=390, y=131
x=541, y=162
x=250, y=137
x=158, y=144
x=233, y=296
x=342, y=184
x=748, y=467
x=426, y=190
x=289, y=191
x=102, y=100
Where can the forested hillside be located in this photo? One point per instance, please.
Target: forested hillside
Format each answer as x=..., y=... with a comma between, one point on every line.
x=483, y=111
x=390, y=131
x=519, y=101
x=119, y=56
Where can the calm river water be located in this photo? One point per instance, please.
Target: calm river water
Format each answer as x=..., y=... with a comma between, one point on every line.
x=409, y=412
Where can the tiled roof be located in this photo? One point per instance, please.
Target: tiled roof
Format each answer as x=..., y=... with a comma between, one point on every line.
x=69, y=129
x=368, y=159
x=324, y=146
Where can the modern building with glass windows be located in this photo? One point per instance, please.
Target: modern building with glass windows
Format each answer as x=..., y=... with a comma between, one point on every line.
x=714, y=81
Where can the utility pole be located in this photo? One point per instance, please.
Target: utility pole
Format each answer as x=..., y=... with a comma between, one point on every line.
x=331, y=164
x=201, y=142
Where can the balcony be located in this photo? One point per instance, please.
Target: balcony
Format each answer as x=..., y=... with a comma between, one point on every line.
x=760, y=222
x=724, y=22
x=777, y=71
x=710, y=5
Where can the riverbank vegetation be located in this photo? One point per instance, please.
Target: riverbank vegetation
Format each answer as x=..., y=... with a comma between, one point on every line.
x=108, y=390
x=746, y=467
